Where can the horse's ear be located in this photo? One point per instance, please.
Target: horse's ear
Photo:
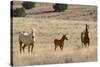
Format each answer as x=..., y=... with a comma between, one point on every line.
x=87, y=25
x=31, y=30
x=64, y=34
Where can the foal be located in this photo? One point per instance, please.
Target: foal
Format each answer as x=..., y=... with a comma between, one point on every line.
x=60, y=42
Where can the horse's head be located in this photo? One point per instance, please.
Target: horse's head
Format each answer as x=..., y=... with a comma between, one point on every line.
x=64, y=36
x=87, y=26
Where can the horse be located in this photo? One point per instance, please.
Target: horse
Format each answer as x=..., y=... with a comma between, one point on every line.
x=60, y=42
x=85, y=37
x=26, y=39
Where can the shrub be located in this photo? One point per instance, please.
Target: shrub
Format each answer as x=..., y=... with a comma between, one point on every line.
x=19, y=12
x=28, y=5
x=60, y=7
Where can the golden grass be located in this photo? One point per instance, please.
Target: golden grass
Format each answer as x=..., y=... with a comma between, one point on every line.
x=46, y=31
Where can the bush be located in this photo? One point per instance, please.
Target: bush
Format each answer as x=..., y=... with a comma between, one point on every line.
x=60, y=7
x=28, y=5
x=19, y=12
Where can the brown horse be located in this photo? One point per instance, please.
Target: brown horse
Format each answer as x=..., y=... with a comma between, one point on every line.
x=60, y=42
x=85, y=37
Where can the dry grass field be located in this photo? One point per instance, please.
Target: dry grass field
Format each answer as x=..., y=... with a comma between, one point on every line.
x=50, y=26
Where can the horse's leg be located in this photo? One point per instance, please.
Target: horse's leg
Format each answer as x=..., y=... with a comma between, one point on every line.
x=28, y=48
x=20, y=46
x=55, y=47
x=61, y=47
x=32, y=47
x=24, y=47
x=82, y=45
x=88, y=43
x=85, y=45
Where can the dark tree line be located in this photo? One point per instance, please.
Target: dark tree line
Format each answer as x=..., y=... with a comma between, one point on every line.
x=20, y=12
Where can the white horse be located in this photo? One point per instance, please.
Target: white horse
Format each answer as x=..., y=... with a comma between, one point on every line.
x=27, y=39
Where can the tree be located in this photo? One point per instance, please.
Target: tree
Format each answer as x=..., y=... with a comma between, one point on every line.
x=60, y=7
x=19, y=12
x=28, y=5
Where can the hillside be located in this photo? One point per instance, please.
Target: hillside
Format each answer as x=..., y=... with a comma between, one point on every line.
x=74, y=12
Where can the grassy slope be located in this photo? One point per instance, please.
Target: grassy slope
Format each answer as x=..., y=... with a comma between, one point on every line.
x=46, y=32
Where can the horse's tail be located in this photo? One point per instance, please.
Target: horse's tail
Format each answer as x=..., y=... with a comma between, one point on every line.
x=82, y=37
x=55, y=42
